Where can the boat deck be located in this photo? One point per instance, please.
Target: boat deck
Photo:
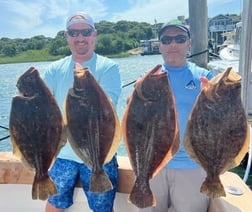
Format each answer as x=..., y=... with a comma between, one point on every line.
x=16, y=183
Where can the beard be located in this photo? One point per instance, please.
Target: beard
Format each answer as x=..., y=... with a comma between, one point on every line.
x=81, y=48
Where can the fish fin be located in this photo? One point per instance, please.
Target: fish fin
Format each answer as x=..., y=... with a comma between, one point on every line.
x=43, y=188
x=176, y=143
x=163, y=163
x=173, y=149
x=124, y=127
x=15, y=150
x=18, y=154
x=81, y=154
x=213, y=188
x=64, y=116
x=116, y=139
x=189, y=149
x=100, y=182
x=141, y=194
x=63, y=139
x=62, y=143
x=244, y=149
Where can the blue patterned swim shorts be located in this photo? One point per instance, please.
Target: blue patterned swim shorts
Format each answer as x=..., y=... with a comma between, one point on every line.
x=65, y=173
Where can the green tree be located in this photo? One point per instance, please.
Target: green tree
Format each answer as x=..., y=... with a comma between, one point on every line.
x=112, y=38
x=105, y=27
x=104, y=44
x=59, y=46
x=9, y=50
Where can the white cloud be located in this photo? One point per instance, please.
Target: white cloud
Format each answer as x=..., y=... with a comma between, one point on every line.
x=27, y=18
x=44, y=17
x=23, y=16
x=147, y=11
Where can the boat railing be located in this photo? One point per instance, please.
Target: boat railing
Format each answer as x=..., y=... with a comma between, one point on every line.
x=248, y=168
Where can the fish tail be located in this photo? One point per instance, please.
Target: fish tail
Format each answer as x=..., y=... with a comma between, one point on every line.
x=100, y=182
x=141, y=195
x=213, y=188
x=43, y=188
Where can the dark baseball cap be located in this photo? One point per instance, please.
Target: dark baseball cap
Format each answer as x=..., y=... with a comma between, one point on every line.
x=183, y=27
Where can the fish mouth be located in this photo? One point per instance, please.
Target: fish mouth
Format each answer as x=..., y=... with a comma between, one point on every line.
x=156, y=74
x=156, y=70
x=81, y=72
x=21, y=94
x=25, y=95
x=159, y=74
x=231, y=75
x=76, y=89
x=18, y=86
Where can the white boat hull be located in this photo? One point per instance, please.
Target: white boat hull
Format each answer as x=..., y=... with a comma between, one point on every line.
x=230, y=53
x=15, y=190
x=17, y=197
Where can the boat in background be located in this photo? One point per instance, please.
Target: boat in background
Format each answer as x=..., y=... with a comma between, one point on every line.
x=149, y=47
x=229, y=57
x=231, y=51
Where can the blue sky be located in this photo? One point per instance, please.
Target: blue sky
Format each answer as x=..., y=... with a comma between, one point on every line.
x=28, y=18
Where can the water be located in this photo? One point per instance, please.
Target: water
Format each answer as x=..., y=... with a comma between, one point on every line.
x=131, y=69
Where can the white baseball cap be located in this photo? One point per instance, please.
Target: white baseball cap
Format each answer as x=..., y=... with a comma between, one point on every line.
x=80, y=17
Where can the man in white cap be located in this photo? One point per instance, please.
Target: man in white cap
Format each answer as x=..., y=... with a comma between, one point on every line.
x=81, y=35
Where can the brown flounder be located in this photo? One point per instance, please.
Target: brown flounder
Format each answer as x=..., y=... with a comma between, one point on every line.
x=36, y=130
x=150, y=132
x=217, y=134
x=94, y=128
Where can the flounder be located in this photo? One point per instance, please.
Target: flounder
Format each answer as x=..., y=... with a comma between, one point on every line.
x=93, y=125
x=150, y=132
x=217, y=134
x=36, y=130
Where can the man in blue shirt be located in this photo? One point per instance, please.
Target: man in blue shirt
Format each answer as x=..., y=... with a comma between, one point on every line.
x=81, y=35
x=177, y=186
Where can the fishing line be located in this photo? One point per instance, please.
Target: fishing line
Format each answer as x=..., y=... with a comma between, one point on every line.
x=190, y=56
x=129, y=84
x=5, y=137
x=198, y=53
x=6, y=128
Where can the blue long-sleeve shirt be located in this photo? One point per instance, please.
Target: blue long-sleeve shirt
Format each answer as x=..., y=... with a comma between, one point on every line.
x=60, y=76
x=185, y=83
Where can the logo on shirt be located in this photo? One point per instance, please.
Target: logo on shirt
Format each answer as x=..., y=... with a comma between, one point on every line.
x=190, y=85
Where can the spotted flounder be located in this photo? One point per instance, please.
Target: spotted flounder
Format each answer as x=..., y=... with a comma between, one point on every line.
x=150, y=132
x=93, y=125
x=217, y=134
x=36, y=130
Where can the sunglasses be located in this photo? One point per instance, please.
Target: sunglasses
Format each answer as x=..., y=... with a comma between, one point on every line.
x=77, y=32
x=178, y=39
